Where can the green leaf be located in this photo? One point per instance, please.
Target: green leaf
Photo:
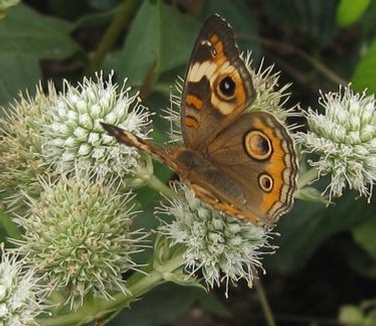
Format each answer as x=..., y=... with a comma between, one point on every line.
x=349, y=11
x=237, y=14
x=25, y=38
x=308, y=225
x=313, y=17
x=177, y=35
x=69, y=9
x=364, y=75
x=364, y=235
x=165, y=304
x=26, y=31
x=359, y=260
x=160, y=39
x=18, y=72
x=103, y=4
x=140, y=50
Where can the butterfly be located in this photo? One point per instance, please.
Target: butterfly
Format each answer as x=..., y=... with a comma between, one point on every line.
x=242, y=163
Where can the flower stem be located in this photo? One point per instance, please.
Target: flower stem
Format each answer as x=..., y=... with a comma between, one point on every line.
x=140, y=283
x=156, y=184
x=264, y=303
x=137, y=285
x=307, y=177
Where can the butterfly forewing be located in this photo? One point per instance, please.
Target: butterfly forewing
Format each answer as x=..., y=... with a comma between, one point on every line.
x=217, y=86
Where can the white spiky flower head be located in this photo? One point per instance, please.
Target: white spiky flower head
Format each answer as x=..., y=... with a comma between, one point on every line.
x=343, y=138
x=224, y=248
x=270, y=96
x=21, y=159
x=20, y=293
x=74, y=135
x=52, y=134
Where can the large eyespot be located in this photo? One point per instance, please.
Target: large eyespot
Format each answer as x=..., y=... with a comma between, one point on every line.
x=226, y=87
x=266, y=182
x=258, y=145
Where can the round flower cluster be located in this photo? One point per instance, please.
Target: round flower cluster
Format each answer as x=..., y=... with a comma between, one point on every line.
x=344, y=141
x=78, y=235
x=221, y=246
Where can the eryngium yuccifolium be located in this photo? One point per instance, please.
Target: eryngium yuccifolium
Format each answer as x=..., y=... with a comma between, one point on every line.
x=269, y=98
x=19, y=292
x=21, y=146
x=222, y=247
x=79, y=237
x=344, y=138
x=74, y=134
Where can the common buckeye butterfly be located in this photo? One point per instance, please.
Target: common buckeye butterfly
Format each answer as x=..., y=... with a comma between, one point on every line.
x=242, y=163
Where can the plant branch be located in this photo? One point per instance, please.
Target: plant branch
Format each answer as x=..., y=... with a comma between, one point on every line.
x=264, y=303
x=284, y=47
x=156, y=184
x=137, y=285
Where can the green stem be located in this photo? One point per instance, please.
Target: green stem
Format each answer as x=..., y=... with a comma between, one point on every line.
x=9, y=226
x=141, y=283
x=264, y=303
x=156, y=184
x=137, y=285
x=307, y=177
x=124, y=12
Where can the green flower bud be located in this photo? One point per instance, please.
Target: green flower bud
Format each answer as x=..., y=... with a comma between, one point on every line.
x=79, y=237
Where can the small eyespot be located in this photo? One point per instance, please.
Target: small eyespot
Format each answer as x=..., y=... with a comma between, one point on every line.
x=227, y=87
x=265, y=182
x=258, y=145
x=213, y=52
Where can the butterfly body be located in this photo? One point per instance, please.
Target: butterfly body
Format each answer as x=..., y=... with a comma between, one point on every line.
x=242, y=163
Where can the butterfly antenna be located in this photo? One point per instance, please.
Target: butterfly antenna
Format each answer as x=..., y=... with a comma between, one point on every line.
x=171, y=113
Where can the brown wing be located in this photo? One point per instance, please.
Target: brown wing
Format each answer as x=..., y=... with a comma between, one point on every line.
x=257, y=152
x=218, y=86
